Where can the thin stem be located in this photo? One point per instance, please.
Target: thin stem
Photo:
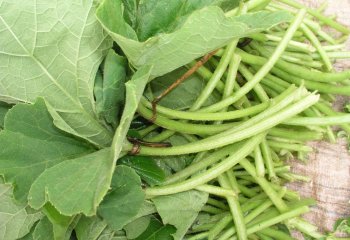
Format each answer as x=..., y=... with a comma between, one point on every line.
x=265, y=68
x=314, y=40
x=236, y=210
x=218, y=191
x=208, y=175
x=186, y=75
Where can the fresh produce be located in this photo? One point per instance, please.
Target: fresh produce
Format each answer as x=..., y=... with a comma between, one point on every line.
x=160, y=119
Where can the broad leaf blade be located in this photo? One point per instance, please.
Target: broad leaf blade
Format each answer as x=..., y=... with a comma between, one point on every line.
x=3, y=110
x=53, y=49
x=15, y=219
x=74, y=186
x=114, y=75
x=203, y=31
x=124, y=201
x=156, y=230
x=33, y=144
x=145, y=167
x=89, y=228
x=134, y=90
x=180, y=209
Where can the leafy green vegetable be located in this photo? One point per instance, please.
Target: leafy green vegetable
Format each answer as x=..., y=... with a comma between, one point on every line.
x=156, y=230
x=180, y=210
x=113, y=89
x=171, y=13
x=134, y=89
x=89, y=228
x=28, y=131
x=83, y=182
x=203, y=30
x=145, y=167
x=124, y=200
x=54, y=52
x=62, y=226
x=43, y=230
x=16, y=220
x=137, y=227
x=3, y=110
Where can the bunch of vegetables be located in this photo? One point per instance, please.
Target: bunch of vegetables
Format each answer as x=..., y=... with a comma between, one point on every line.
x=158, y=119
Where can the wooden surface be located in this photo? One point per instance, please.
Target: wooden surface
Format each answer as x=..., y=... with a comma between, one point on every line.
x=329, y=165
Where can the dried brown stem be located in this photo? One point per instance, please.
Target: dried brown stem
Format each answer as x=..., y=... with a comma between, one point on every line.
x=186, y=75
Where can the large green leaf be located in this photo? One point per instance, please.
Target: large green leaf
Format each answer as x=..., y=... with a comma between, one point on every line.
x=33, y=144
x=125, y=199
x=203, y=31
x=15, y=219
x=74, y=186
x=52, y=49
x=160, y=16
x=79, y=185
x=180, y=210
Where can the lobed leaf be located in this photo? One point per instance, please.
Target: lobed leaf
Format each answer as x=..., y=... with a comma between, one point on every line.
x=52, y=49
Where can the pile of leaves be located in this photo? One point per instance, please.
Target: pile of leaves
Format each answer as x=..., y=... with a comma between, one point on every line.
x=86, y=155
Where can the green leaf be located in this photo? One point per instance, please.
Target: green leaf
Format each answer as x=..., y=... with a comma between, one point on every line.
x=4, y=107
x=137, y=227
x=16, y=220
x=185, y=94
x=114, y=75
x=98, y=92
x=62, y=226
x=203, y=31
x=164, y=16
x=125, y=199
x=175, y=163
x=156, y=231
x=89, y=228
x=134, y=90
x=43, y=230
x=145, y=167
x=180, y=210
x=33, y=144
x=74, y=186
x=52, y=49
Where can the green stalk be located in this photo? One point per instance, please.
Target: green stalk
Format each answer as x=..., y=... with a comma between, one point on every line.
x=236, y=210
x=319, y=16
x=265, y=69
x=215, y=78
x=265, y=185
x=200, y=116
x=314, y=40
x=208, y=175
x=189, y=128
x=319, y=121
x=223, y=139
x=303, y=72
x=221, y=225
x=218, y=191
x=266, y=153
